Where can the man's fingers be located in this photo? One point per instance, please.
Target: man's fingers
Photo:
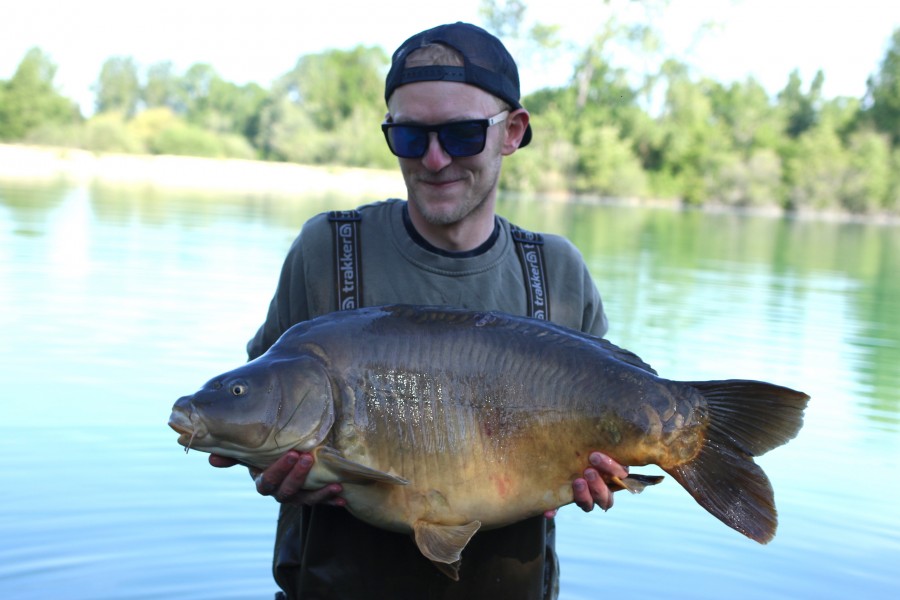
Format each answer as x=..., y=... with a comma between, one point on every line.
x=327, y=495
x=284, y=480
x=268, y=482
x=606, y=466
x=582, y=495
x=599, y=491
x=221, y=462
x=294, y=480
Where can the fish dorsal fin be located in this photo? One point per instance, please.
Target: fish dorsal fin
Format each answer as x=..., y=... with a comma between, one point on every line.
x=348, y=471
x=443, y=544
x=626, y=356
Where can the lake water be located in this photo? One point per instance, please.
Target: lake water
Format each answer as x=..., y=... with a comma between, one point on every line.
x=115, y=302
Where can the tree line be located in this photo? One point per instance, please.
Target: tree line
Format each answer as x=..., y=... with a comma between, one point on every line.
x=663, y=134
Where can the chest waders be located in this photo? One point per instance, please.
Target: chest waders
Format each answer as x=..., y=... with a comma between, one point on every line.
x=348, y=264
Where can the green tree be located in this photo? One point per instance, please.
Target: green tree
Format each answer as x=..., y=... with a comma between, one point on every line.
x=883, y=93
x=694, y=144
x=118, y=88
x=306, y=116
x=29, y=99
x=744, y=111
x=330, y=85
x=800, y=109
x=161, y=86
x=503, y=17
x=607, y=165
x=866, y=183
x=549, y=163
x=230, y=108
x=815, y=170
x=287, y=133
x=753, y=180
x=193, y=91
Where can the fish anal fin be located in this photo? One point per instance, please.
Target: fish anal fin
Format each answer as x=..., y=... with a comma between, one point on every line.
x=348, y=471
x=443, y=544
x=635, y=482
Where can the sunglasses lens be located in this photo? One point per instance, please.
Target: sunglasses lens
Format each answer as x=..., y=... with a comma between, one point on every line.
x=463, y=139
x=407, y=142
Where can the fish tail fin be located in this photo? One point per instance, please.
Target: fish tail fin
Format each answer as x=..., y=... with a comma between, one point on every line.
x=747, y=419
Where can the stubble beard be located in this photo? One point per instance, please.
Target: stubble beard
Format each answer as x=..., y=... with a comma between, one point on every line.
x=459, y=208
x=445, y=216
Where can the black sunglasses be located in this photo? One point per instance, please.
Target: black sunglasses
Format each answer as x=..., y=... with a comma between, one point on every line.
x=457, y=138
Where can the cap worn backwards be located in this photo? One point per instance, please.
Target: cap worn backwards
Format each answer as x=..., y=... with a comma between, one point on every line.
x=486, y=64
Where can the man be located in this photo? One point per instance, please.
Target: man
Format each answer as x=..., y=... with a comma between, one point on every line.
x=454, y=113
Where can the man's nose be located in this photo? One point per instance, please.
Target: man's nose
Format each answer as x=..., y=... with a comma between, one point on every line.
x=435, y=158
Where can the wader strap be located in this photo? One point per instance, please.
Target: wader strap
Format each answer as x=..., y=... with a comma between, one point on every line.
x=348, y=271
x=530, y=249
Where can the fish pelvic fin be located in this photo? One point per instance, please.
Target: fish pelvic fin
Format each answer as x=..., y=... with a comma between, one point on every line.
x=451, y=570
x=747, y=419
x=443, y=544
x=347, y=471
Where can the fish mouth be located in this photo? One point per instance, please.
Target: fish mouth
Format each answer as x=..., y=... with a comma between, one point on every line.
x=186, y=434
x=187, y=429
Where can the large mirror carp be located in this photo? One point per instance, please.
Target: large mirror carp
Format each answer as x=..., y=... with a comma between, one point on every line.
x=440, y=422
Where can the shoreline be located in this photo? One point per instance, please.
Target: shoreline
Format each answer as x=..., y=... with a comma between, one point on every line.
x=45, y=164
x=21, y=163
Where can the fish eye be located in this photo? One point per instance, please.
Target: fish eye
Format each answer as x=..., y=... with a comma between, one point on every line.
x=238, y=389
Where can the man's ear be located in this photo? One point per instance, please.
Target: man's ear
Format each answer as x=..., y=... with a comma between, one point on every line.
x=516, y=124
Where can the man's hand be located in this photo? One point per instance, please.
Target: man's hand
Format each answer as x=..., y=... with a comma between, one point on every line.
x=592, y=488
x=284, y=479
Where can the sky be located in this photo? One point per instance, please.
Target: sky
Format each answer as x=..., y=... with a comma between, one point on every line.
x=259, y=40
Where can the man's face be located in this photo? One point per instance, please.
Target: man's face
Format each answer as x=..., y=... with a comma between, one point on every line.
x=445, y=190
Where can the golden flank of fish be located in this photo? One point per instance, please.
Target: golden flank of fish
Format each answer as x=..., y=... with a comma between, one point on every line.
x=440, y=422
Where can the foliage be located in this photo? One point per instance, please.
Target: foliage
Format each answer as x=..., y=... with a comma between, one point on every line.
x=330, y=85
x=325, y=110
x=118, y=89
x=650, y=129
x=29, y=100
x=747, y=181
x=883, y=94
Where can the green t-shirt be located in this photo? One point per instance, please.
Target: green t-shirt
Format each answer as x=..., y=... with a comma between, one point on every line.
x=324, y=552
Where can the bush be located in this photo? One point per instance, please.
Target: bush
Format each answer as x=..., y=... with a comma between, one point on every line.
x=358, y=141
x=867, y=179
x=755, y=181
x=607, y=165
x=186, y=140
x=108, y=132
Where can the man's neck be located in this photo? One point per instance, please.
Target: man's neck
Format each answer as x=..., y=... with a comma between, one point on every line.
x=462, y=236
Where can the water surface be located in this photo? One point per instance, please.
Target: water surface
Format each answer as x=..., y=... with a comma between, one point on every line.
x=116, y=301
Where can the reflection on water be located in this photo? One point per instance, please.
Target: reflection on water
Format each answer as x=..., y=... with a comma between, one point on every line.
x=115, y=301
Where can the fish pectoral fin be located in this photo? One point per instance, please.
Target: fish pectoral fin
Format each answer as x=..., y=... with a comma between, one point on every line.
x=443, y=544
x=352, y=472
x=635, y=482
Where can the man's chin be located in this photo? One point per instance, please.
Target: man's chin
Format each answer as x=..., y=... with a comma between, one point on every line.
x=437, y=208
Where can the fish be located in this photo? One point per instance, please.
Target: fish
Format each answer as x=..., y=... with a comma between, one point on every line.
x=441, y=422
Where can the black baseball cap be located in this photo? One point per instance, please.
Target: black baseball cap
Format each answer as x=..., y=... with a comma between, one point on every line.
x=487, y=64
